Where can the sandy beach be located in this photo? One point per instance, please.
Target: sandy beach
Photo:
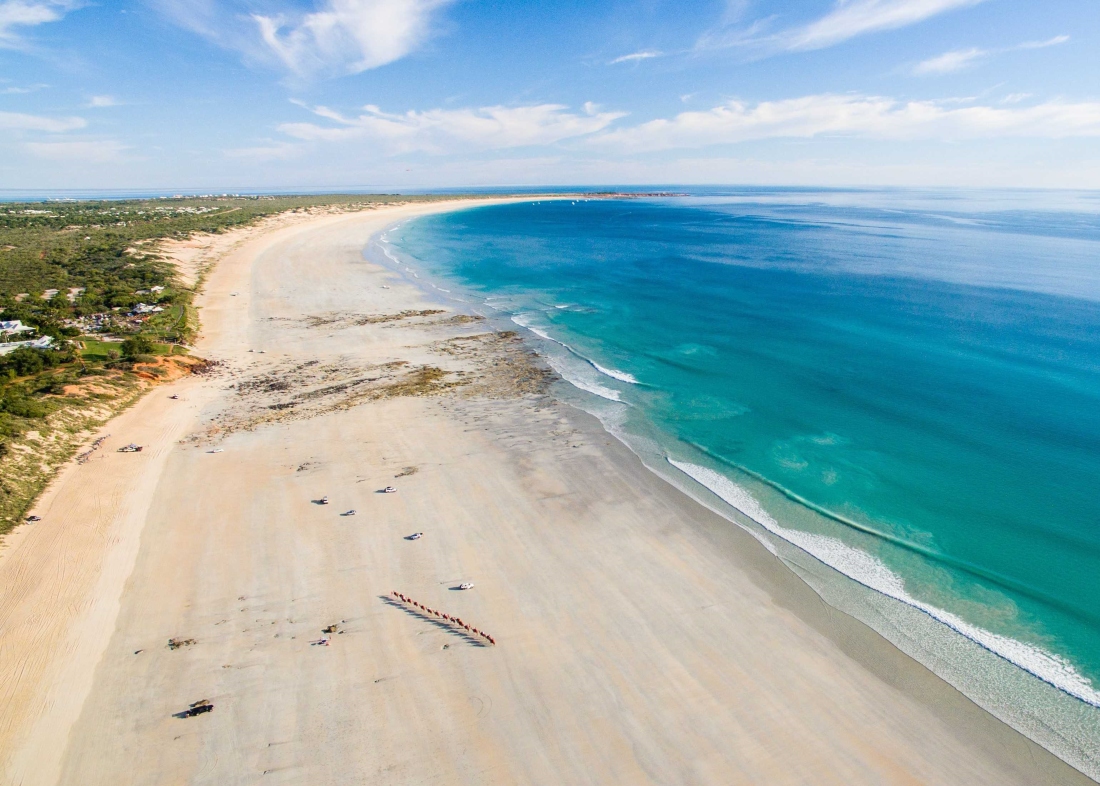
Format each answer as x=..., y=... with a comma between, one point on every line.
x=640, y=638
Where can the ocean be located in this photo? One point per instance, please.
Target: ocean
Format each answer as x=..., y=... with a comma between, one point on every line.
x=897, y=392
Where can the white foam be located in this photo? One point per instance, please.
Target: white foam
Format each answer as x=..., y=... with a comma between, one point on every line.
x=622, y=376
x=524, y=320
x=871, y=572
x=588, y=386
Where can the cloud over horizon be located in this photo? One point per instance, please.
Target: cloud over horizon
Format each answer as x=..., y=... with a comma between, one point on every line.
x=872, y=117
x=451, y=131
x=448, y=130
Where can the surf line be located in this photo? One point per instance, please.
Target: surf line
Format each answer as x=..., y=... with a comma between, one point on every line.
x=621, y=376
x=1051, y=668
x=1004, y=582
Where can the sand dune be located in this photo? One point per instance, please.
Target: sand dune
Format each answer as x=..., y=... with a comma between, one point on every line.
x=640, y=638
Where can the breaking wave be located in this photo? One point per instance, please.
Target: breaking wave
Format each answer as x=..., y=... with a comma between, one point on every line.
x=871, y=572
x=524, y=321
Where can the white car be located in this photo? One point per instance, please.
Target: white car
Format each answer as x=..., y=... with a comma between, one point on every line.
x=416, y=536
x=324, y=500
x=389, y=490
x=466, y=585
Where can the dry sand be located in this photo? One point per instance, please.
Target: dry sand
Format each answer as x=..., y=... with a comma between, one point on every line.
x=641, y=639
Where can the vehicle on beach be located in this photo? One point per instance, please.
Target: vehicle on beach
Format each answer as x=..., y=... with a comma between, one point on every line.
x=216, y=450
x=198, y=708
x=131, y=448
x=415, y=536
x=34, y=518
x=324, y=500
x=466, y=585
x=389, y=490
x=348, y=512
x=173, y=397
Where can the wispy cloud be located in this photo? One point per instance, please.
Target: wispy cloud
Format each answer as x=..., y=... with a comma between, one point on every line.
x=453, y=130
x=101, y=102
x=847, y=19
x=335, y=37
x=635, y=57
x=16, y=14
x=949, y=62
x=84, y=151
x=870, y=117
x=13, y=91
x=15, y=121
x=1058, y=39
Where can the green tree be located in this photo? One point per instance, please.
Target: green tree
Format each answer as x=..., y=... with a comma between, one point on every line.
x=136, y=345
x=23, y=361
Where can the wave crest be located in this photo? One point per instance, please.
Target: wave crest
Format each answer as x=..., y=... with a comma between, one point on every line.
x=871, y=572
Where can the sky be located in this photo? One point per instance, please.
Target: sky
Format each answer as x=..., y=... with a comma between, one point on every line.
x=416, y=94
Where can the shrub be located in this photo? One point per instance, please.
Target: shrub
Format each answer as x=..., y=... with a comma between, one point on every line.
x=23, y=407
x=24, y=361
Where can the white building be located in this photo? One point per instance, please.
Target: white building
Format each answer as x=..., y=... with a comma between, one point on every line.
x=38, y=343
x=9, y=327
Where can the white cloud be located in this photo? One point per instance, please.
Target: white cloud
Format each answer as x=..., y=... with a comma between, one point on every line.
x=959, y=59
x=99, y=102
x=9, y=91
x=635, y=57
x=15, y=121
x=83, y=151
x=29, y=13
x=851, y=18
x=449, y=130
x=949, y=62
x=854, y=116
x=1058, y=39
x=333, y=37
x=848, y=19
x=348, y=36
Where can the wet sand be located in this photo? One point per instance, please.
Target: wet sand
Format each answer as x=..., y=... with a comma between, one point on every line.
x=640, y=638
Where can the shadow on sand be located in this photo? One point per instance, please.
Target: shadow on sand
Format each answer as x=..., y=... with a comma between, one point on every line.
x=443, y=625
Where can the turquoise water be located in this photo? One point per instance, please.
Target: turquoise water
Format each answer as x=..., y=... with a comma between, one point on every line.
x=906, y=385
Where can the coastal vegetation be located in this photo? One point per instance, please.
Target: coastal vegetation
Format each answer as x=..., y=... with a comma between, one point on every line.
x=109, y=316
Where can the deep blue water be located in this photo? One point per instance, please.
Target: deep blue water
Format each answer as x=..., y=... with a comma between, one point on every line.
x=915, y=376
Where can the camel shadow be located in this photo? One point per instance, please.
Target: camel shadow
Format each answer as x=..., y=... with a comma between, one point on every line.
x=442, y=625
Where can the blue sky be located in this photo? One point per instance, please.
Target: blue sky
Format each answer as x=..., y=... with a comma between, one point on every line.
x=225, y=94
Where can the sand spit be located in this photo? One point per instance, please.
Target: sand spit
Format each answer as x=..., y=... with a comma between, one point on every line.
x=639, y=638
